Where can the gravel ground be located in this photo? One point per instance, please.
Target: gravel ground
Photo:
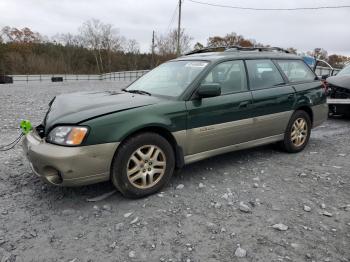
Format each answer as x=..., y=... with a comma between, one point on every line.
x=259, y=204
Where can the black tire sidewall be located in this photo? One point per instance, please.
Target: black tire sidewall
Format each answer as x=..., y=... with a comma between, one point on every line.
x=287, y=142
x=121, y=158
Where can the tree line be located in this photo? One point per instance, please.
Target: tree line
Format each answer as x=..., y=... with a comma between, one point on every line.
x=99, y=48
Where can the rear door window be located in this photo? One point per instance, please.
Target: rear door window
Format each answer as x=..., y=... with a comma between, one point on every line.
x=296, y=71
x=263, y=74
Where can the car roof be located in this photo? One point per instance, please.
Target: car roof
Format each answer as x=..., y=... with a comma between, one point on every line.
x=218, y=56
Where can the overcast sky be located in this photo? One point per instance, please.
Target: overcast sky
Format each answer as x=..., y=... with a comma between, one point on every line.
x=135, y=19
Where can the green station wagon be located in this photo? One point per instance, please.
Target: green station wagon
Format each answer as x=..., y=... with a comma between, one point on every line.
x=194, y=107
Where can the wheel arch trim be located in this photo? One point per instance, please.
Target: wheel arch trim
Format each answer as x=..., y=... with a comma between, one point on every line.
x=176, y=139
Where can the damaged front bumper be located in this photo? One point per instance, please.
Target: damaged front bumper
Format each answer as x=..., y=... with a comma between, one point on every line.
x=68, y=166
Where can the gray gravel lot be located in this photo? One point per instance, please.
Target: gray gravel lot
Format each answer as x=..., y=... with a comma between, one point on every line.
x=237, y=199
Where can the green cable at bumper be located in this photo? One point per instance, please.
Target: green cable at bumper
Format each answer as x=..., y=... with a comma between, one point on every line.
x=68, y=166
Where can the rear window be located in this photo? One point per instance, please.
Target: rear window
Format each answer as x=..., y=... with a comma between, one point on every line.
x=296, y=71
x=263, y=74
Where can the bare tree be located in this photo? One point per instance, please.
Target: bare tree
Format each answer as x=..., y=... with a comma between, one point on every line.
x=100, y=37
x=231, y=39
x=319, y=53
x=24, y=35
x=338, y=61
x=91, y=34
x=111, y=42
x=132, y=48
x=167, y=44
x=67, y=39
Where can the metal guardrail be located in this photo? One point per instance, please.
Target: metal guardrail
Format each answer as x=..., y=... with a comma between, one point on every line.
x=113, y=76
x=124, y=75
x=117, y=76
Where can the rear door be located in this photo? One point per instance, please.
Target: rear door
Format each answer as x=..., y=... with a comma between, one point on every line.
x=273, y=98
x=224, y=120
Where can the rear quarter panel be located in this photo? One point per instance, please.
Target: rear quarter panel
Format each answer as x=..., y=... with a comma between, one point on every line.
x=312, y=95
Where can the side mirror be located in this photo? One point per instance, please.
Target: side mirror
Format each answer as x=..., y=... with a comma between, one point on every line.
x=209, y=90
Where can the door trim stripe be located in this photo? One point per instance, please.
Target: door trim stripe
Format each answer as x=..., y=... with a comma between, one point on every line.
x=203, y=155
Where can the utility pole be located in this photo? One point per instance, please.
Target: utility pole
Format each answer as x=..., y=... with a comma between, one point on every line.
x=153, y=47
x=178, y=51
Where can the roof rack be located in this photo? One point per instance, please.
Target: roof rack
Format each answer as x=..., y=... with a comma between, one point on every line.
x=232, y=48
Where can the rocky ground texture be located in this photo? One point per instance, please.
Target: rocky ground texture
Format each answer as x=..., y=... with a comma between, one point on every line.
x=253, y=205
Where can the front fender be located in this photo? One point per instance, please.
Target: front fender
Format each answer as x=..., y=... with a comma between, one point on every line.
x=170, y=115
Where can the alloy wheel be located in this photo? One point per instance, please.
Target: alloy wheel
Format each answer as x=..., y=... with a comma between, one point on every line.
x=299, y=132
x=146, y=166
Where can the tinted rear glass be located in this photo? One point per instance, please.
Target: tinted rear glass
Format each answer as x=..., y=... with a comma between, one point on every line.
x=263, y=74
x=296, y=71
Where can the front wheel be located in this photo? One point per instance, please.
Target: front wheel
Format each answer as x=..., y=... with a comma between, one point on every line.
x=298, y=132
x=143, y=165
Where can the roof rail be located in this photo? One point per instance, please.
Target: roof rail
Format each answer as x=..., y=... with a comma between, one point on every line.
x=207, y=49
x=232, y=48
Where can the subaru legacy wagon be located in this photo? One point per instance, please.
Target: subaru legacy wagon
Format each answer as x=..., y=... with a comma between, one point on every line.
x=194, y=107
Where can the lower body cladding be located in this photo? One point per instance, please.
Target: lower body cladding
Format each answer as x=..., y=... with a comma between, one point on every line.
x=204, y=142
x=69, y=166
x=320, y=114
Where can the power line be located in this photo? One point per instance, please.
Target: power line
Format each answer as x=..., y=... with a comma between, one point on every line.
x=270, y=9
x=172, y=18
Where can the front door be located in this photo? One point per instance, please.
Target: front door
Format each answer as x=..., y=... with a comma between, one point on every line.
x=224, y=120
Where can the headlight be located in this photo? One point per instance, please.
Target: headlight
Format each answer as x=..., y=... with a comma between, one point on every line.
x=67, y=135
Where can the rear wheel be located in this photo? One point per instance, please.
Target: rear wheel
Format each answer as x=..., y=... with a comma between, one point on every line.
x=298, y=132
x=143, y=165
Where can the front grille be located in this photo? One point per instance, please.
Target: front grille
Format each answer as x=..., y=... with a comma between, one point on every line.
x=338, y=92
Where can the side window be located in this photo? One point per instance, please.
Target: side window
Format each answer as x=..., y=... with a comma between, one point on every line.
x=296, y=71
x=263, y=74
x=230, y=75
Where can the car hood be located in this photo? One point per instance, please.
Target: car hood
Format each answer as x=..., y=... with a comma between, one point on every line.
x=78, y=107
x=340, y=81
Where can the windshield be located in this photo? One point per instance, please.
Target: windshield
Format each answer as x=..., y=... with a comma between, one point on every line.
x=169, y=79
x=345, y=71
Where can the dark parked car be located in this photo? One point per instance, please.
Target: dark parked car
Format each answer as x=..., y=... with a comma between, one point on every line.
x=339, y=92
x=4, y=79
x=188, y=109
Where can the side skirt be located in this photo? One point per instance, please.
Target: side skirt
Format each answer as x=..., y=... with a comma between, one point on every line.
x=203, y=155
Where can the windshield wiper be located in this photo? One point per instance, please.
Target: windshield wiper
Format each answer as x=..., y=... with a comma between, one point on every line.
x=136, y=91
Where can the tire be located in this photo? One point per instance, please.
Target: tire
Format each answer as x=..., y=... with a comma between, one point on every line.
x=142, y=165
x=294, y=143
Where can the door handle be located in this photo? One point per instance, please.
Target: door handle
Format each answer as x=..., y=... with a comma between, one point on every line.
x=244, y=104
